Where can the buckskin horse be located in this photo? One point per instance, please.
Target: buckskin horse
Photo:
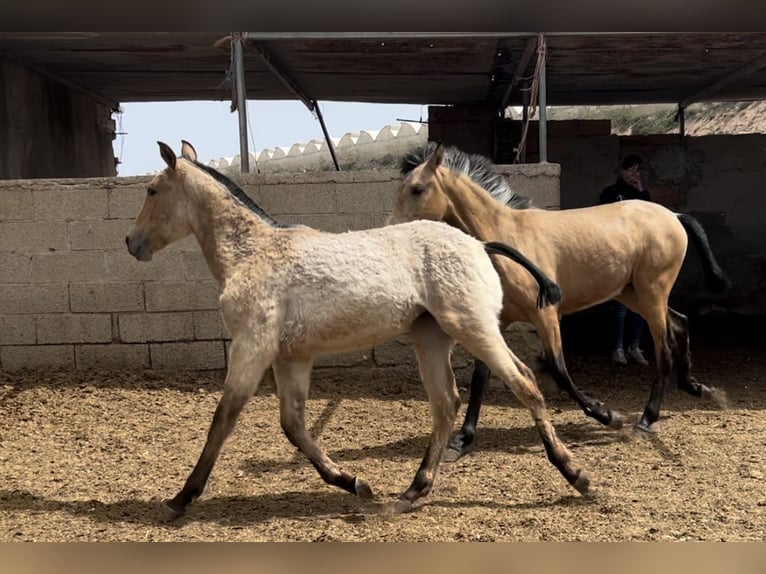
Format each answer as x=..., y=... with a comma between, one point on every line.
x=631, y=251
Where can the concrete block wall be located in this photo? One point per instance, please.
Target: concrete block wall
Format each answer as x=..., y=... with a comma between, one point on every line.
x=71, y=296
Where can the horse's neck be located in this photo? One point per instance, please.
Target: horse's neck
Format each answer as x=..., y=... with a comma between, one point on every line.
x=223, y=228
x=473, y=209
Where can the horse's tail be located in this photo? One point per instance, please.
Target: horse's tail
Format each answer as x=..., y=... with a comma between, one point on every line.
x=715, y=278
x=550, y=292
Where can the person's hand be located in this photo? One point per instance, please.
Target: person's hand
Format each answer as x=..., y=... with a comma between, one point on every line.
x=632, y=176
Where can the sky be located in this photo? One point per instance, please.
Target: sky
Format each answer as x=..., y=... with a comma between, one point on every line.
x=214, y=131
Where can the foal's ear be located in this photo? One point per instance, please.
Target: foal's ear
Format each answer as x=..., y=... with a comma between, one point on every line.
x=437, y=157
x=168, y=155
x=188, y=151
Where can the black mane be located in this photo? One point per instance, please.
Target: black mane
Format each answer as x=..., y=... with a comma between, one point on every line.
x=240, y=194
x=477, y=167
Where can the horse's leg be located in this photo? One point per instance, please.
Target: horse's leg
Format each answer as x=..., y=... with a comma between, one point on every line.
x=678, y=325
x=293, y=378
x=548, y=329
x=432, y=347
x=246, y=367
x=483, y=339
x=651, y=304
x=463, y=442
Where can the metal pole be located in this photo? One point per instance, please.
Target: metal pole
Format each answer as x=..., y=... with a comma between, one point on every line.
x=541, y=99
x=239, y=78
x=327, y=138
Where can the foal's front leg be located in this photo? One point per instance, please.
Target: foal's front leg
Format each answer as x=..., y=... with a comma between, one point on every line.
x=293, y=378
x=246, y=367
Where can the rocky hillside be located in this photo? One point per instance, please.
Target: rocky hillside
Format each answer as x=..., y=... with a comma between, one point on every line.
x=701, y=119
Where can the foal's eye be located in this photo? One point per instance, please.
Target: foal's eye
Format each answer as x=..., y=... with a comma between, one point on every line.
x=151, y=191
x=417, y=189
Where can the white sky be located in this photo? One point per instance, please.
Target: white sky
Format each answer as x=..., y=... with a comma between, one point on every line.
x=214, y=131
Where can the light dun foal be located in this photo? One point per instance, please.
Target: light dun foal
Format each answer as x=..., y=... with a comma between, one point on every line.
x=289, y=295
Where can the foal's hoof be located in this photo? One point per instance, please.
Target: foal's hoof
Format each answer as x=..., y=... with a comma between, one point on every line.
x=399, y=506
x=582, y=485
x=362, y=489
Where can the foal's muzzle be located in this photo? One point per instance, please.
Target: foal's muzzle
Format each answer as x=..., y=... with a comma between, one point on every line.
x=138, y=245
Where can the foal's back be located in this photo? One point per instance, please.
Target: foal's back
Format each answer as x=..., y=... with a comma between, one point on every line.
x=349, y=290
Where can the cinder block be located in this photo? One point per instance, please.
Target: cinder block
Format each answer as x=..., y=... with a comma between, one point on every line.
x=379, y=219
x=106, y=297
x=209, y=325
x=366, y=198
x=334, y=223
x=146, y=327
x=126, y=201
x=594, y=127
x=22, y=298
x=69, y=202
x=52, y=267
x=16, y=204
x=112, y=356
x=74, y=328
x=17, y=330
x=394, y=353
x=15, y=358
x=182, y=296
x=352, y=359
x=164, y=266
x=99, y=235
x=198, y=355
x=298, y=198
x=33, y=236
x=195, y=267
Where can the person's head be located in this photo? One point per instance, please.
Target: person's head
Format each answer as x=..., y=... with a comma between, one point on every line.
x=630, y=169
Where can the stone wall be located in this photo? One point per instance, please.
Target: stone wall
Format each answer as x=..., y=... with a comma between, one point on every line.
x=71, y=295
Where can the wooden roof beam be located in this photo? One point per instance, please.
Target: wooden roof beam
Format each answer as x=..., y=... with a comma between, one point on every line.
x=283, y=76
x=737, y=75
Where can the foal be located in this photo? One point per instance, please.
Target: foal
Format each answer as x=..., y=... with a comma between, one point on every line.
x=289, y=295
x=631, y=251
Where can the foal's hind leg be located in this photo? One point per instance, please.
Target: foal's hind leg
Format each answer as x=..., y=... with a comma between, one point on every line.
x=293, y=378
x=484, y=340
x=432, y=347
x=246, y=367
x=548, y=330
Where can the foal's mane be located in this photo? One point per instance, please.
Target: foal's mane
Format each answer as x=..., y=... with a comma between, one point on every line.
x=477, y=167
x=239, y=193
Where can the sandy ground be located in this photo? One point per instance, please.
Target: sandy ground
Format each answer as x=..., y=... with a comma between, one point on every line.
x=92, y=456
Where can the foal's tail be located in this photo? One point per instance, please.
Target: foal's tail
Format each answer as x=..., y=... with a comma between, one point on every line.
x=715, y=278
x=550, y=292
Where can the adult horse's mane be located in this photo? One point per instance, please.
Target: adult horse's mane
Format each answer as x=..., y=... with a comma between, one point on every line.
x=240, y=194
x=477, y=167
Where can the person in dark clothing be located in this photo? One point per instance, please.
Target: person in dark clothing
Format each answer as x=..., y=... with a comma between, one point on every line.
x=627, y=186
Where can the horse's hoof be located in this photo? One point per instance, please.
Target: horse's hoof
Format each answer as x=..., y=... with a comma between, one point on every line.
x=645, y=430
x=176, y=508
x=362, y=489
x=714, y=395
x=616, y=422
x=452, y=454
